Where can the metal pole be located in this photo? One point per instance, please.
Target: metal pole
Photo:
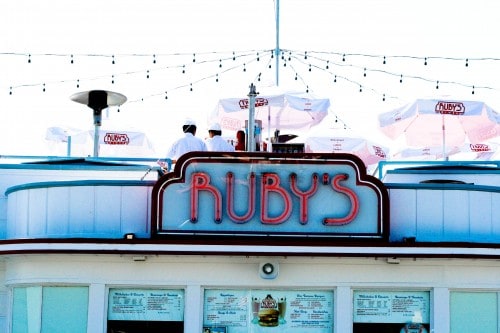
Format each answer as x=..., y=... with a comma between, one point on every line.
x=97, y=125
x=251, y=117
x=277, y=50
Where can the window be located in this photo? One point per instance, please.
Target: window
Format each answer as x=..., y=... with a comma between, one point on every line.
x=391, y=312
x=50, y=309
x=474, y=312
x=145, y=310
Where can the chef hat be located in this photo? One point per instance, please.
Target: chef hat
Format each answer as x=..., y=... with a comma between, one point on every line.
x=189, y=122
x=214, y=127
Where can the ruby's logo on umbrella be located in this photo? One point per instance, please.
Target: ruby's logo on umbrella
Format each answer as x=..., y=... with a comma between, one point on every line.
x=454, y=108
x=116, y=139
x=479, y=147
x=258, y=102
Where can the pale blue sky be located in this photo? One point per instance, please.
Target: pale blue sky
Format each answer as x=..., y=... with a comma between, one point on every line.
x=405, y=32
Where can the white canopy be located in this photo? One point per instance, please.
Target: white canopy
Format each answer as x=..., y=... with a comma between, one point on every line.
x=290, y=111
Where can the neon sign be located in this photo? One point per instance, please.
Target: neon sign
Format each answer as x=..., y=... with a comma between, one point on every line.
x=270, y=194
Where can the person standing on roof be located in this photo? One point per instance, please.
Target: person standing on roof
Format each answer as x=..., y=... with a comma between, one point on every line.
x=189, y=142
x=215, y=142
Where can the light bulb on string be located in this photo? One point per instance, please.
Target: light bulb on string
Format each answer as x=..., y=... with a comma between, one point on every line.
x=364, y=72
x=113, y=59
x=190, y=87
x=425, y=61
x=43, y=89
x=401, y=79
x=112, y=79
x=472, y=90
x=360, y=88
x=307, y=89
x=194, y=57
x=466, y=62
x=258, y=58
x=71, y=61
x=383, y=98
x=147, y=74
x=282, y=55
x=244, y=67
x=343, y=57
x=183, y=69
x=166, y=96
x=154, y=58
x=78, y=83
x=384, y=62
x=296, y=77
x=272, y=54
x=234, y=56
x=305, y=55
x=327, y=62
x=10, y=91
x=289, y=56
x=310, y=68
x=437, y=84
x=335, y=79
x=220, y=63
x=29, y=58
x=217, y=77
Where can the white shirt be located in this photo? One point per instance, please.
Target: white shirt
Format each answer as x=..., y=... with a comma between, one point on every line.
x=184, y=145
x=217, y=143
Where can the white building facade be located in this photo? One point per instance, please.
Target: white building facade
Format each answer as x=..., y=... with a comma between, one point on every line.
x=249, y=242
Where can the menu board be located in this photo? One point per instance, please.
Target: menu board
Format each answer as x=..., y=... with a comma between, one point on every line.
x=391, y=307
x=263, y=310
x=146, y=304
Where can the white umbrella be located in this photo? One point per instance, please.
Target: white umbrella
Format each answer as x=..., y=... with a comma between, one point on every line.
x=112, y=142
x=429, y=123
x=342, y=141
x=285, y=111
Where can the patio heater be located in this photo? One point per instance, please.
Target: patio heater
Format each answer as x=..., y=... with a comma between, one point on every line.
x=98, y=100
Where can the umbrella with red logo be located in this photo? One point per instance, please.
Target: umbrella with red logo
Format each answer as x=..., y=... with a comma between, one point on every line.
x=282, y=111
x=112, y=143
x=428, y=123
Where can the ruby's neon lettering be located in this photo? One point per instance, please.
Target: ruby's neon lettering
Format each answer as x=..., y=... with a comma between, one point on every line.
x=270, y=185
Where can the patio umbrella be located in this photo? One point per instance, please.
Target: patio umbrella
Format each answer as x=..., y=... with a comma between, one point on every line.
x=424, y=153
x=342, y=141
x=428, y=123
x=289, y=111
x=112, y=143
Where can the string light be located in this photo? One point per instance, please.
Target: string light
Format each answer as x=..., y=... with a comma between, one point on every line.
x=113, y=59
x=314, y=61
